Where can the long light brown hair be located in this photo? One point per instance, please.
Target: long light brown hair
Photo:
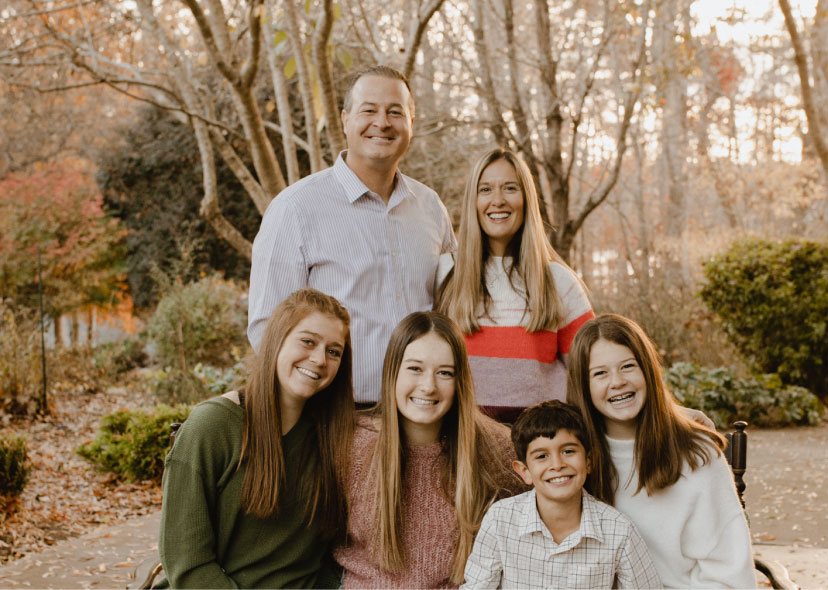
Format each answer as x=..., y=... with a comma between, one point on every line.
x=331, y=411
x=464, y=289
x=472, y=468
x=665, y=438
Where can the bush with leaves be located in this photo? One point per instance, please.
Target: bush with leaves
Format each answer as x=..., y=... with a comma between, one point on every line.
x=119, y=357
x=132, y=444
x=760, y=401
x=772, y=301
x=199, y=322
x=174, y=386
x=14, y=465
x=218, y=381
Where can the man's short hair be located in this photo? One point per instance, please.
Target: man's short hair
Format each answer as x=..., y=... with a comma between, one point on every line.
x=382, y=72
x=546, y=419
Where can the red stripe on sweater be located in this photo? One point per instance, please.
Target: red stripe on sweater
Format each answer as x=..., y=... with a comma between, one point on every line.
x=513, y=342
x=567, y=334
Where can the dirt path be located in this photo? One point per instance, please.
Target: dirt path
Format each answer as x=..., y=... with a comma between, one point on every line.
x=787, y=486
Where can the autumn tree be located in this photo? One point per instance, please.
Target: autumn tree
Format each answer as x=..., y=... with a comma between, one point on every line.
x=59, y=210
x=543, y=96
x=194, y=56
x=151, y=182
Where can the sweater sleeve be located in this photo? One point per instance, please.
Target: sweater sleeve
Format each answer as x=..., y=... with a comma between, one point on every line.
x=187, y=541
x=717, y=536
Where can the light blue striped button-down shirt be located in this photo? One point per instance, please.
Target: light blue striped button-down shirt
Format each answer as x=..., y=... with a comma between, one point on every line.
x=330, y=232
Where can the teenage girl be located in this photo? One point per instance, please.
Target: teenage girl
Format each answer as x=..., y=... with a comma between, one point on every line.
x=657, y=466
x=517, y=302
x=425, y=466
x=253, y=488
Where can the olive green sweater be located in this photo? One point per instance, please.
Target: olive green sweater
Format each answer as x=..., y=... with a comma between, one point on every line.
x=207, y=540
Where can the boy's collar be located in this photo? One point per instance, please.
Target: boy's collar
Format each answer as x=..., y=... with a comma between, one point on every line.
x=589, y=527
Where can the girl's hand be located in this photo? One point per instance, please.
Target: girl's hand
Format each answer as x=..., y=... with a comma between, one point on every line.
x=699, y=417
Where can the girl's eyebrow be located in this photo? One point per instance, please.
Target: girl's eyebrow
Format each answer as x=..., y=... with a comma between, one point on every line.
x=319, y=337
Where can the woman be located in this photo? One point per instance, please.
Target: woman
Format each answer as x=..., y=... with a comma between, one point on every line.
x=253, y=488
x=655, y=464
x=517, y=302
x=425, y=466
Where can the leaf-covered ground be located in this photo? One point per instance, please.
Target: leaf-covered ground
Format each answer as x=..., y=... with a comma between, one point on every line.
x=65, y=497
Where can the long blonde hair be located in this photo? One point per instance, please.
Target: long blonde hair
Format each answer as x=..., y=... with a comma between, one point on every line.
x=464, y=289
x=471, y=465
x=665, y=438
x=331, y=411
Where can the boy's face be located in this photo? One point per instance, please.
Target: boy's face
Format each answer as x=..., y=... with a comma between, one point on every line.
x=556, y=467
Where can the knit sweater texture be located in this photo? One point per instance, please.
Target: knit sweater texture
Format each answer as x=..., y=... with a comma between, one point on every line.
x=695, y=529
x=512, y=367
x=206, y=539
x=429, y=527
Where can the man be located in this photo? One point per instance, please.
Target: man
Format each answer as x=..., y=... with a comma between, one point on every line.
x=360, y=231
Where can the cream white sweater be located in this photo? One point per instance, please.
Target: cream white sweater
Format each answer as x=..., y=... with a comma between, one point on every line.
x=695, y=529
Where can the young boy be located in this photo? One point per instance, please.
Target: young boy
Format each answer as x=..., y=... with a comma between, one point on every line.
x=556, y=535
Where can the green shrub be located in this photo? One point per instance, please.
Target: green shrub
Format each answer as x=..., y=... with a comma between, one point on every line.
x=218, y=381
x=772, y=301
x=199, y=323
x=119, y=357
x=132, y=444
x=174, y=386
x=14, y=465
x=724, y=397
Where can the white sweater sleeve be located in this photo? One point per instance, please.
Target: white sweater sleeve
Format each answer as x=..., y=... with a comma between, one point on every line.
x=716, y=535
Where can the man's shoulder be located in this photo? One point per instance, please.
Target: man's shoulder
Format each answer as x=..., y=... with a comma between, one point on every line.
x=308, y=186
x=420, y=190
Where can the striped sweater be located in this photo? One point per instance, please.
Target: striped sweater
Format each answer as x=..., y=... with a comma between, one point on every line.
x=513, y=368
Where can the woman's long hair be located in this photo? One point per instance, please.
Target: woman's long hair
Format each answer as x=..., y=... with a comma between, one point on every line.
x=464, y=289
x=331, y=412
x=665, y=438
x=471, y=467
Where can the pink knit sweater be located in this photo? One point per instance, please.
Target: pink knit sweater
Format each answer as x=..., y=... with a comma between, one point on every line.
x=429, y=528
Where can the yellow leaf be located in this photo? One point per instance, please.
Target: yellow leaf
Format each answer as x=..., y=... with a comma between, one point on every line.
x=269, y=106
x=290, y=68
x=279, y=37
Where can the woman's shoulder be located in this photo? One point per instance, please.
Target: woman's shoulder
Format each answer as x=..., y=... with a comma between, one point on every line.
x=214, y=419
x=214, y=413
x=365, y=433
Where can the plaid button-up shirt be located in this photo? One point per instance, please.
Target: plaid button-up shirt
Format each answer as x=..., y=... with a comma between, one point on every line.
x=514, y=549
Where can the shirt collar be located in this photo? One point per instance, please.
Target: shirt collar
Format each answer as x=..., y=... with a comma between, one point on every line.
x=590, y=525
x=355, y=188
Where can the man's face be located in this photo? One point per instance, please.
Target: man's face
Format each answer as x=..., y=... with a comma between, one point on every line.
x=378, y=126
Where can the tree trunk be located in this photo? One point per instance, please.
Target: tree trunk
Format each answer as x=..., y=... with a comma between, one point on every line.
x=808, y=104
